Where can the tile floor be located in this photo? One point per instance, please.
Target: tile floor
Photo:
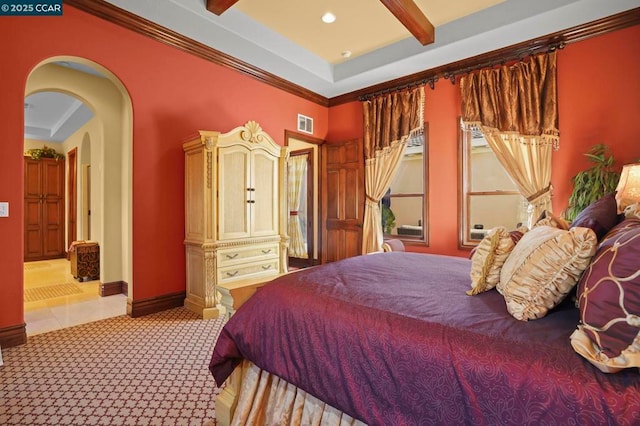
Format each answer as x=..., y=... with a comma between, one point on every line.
x=54, y=313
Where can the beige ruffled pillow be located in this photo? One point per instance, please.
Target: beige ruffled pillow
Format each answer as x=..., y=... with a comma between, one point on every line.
x=489, y=256
x=543, y=268
x=632, y=211
x=549, y=219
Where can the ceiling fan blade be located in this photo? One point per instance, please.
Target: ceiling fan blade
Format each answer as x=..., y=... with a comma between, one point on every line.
x=410, y=15
x=219, y=6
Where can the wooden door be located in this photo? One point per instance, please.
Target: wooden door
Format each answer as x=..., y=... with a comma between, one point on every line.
x=343, y=199
x=33, y=232
x=43, y=209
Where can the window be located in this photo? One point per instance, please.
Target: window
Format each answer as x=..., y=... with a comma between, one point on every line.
x=404, y=207
x=487, y=195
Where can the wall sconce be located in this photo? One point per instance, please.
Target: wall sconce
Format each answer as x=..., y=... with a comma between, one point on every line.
x=628, y=190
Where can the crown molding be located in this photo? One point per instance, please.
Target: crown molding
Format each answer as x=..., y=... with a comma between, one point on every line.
x=123, y=18
x=114, y=14
x=545, y=43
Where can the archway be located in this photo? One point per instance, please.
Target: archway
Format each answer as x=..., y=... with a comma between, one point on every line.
x=105, y=144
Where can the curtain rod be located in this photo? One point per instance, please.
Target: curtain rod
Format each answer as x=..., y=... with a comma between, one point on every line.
x=431, y=81
x=451, y=75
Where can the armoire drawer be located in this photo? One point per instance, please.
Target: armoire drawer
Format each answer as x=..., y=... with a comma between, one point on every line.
x=249, y=270
x=236, y=255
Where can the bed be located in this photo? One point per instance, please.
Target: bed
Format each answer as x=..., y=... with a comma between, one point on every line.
x=393, y=339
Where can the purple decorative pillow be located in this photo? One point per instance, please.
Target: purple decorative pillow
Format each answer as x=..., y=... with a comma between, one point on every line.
x=601, y=216
x=609, y=300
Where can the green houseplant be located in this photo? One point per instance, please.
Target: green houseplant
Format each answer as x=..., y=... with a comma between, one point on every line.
x=45, y=152
x=593, y=183
x=388, y=220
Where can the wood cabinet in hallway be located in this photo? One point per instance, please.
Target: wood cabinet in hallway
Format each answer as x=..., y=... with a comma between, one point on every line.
x=43, y=208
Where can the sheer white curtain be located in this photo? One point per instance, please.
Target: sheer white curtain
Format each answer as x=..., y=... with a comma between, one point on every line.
x=297, y=167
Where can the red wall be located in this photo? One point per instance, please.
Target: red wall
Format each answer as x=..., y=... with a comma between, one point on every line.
x=599, y=101
x=173, y=95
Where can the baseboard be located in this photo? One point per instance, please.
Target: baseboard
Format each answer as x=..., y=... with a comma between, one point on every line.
x=139, y=308
x=125, y=288
x=13, y=336
x=109, y=289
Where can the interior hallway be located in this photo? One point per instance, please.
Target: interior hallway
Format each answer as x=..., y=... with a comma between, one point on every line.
x=53, y=299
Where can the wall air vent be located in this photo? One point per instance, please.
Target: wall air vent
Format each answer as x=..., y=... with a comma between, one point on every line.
x=305, y=124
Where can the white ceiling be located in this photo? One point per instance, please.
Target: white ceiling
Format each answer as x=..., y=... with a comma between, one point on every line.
x=247, y=32
x=287, y=38
x=54, y=116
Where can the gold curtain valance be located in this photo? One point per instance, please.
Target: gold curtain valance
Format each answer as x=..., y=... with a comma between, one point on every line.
x=391, y=117
x=519, y=98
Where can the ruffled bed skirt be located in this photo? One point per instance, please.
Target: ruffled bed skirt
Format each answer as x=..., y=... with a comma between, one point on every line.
x=265, y=399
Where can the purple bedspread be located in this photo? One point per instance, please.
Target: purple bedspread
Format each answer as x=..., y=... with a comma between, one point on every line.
x=392, y=339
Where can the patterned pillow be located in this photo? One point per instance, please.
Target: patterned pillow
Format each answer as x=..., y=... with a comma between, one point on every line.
x=543, y=268
x=489, y=256
x=609, y=300
x=601, y=216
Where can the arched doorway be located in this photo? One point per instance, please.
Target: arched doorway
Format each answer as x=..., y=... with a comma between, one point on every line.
x=104, y=148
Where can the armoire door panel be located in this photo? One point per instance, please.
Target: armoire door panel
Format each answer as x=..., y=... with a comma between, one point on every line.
x=195, y=182
x=234, y=192
x=264, y=215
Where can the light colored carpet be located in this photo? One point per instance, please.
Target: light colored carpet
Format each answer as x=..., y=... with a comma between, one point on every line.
x=151, y=370
x=51, y=291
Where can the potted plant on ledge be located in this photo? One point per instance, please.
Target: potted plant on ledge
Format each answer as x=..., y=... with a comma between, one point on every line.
x=593, y=183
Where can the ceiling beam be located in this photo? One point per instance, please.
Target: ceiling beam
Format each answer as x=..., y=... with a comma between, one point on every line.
x=410, y=15
x=219, y=6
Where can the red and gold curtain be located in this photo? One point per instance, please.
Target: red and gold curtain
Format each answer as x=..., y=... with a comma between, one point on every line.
x=389, y=121
x=516, y=106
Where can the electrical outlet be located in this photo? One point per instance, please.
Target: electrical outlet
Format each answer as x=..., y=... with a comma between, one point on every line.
x=4, y=209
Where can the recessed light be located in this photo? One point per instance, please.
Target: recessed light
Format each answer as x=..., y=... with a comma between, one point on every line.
x=27, y=105
x=346, y=54
x=328, y=18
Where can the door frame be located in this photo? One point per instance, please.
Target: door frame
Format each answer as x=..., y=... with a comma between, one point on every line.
x=311, y=172
x=317, y=237
x=72, y=196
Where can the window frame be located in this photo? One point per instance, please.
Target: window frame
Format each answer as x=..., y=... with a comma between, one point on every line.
x=464, y=189
x=423, y=240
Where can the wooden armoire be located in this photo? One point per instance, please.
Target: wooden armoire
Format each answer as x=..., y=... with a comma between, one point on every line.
x=235, y=212
x=43, y=208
